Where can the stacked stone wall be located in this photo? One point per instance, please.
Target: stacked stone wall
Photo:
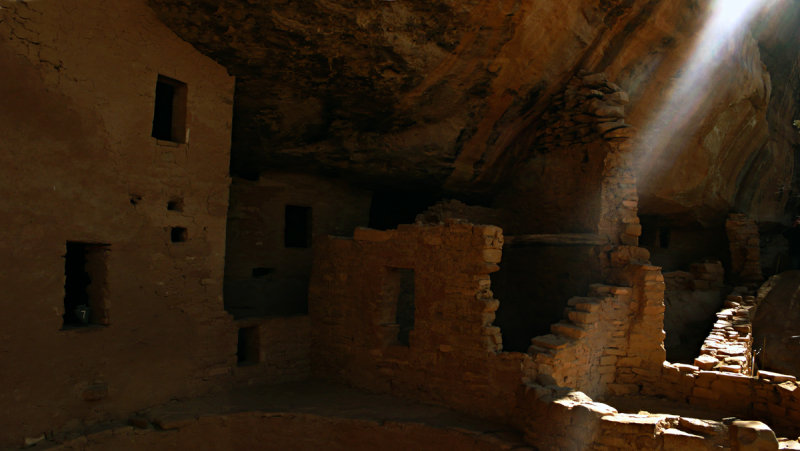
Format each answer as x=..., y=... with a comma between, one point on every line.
x=745, y=250
x=453, y=353
x=774, y=398
x=729, y=346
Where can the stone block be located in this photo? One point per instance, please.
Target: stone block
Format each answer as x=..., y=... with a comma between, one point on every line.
x=752, y=436
x=568, y=330
x=677, y=440
x=776, y=377
x=706, y=362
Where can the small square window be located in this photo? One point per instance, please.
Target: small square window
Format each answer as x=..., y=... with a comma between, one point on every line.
x=169, y=116
x=175, y=204
x=178, y=234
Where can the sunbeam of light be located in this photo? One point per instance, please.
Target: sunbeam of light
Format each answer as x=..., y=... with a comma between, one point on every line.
x=677, y=119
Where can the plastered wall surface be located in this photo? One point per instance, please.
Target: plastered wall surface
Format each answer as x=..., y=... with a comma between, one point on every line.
x=78, y=163
x=264, y=276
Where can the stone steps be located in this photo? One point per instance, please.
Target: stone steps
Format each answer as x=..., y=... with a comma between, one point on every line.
x=584, y=304
x=550, y=341
x=568, y=329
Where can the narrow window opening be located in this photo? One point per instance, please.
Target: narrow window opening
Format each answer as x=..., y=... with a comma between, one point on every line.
x=85, y=287
x=297, y=231
x=178, y=234
x=175, y=204
x=247, y=346
x=397, y=316
x=169, y=116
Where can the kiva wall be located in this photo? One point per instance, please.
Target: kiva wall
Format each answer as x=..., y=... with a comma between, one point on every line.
x=79, y=164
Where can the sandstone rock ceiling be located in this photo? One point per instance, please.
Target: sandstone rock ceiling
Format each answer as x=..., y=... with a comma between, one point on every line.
x=447, y=93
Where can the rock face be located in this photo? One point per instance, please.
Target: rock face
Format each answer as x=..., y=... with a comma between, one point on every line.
x=452, y=94
x=776, y=327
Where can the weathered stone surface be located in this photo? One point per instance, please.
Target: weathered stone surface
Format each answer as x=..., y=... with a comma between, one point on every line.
x=776, y=326
x=438, y=92
x=752, y=436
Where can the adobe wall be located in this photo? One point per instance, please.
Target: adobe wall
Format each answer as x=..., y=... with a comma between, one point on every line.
x=264, y=276
x=78, y=163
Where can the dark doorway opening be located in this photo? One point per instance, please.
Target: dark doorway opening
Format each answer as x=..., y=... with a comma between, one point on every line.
x=297, y=226
x=169, y=116
x=85, y=288
x=534, y=285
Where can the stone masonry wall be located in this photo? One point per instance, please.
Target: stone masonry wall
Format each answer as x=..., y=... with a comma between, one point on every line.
x=452, y=354
x=574, y=179
x=574, y=421
x=78, y=163
x=729, y=346
x=774, y=398
x=745, y=251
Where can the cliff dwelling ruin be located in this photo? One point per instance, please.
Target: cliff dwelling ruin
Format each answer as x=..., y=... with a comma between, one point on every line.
x=407, y=224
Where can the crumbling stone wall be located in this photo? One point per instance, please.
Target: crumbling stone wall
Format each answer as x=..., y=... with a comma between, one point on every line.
x=692, y=299
x=774, y=398
x=576, y=422
x=352, y=303
x=79, y=164
x=573, y=179
x=729, y=346
x=745, y=252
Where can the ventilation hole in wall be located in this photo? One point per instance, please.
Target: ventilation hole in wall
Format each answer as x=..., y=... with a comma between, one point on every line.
x=175, y=204
x=134, y=199
x=85, y=284
x=178, y=234
x=247, y=348
x=262, y=272
x=169, y=116
x=297, y=226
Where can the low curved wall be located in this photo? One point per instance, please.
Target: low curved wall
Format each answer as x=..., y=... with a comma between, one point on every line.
x=290, y=431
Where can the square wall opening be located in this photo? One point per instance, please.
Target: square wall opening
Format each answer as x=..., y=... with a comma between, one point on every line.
x=178, y=234
x=85, y=286
x=169, y=116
